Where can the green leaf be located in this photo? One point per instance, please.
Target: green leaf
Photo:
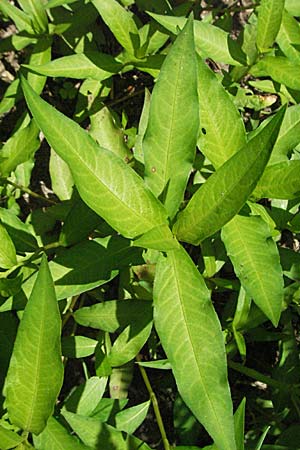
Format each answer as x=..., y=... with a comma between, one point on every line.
x=113, y=315
x=21, y=19
x=19, y=148
x=35, y=9
x=222, y=127
x=61, y=177
x=105, y=131
x=256, y=262
x=35, y=372
x=11, y=96
x=41, y=54
x=289, y=135
x=56, y=437
x=9, y=439
x=130, y=419
x=170, y=140
x=104, y=181
x=86, y=397
x=120, y=22
x=95, y=65
x=281, y=69
x=293, y=7
x=20, y=232
x=7, y=249
x=210, y=41
x=288, y=36
x=226, y=191
x=138, y=148
x=268, y=24
x=101, y=436
x=280, y=181
x=78, y=346
x=191, y=336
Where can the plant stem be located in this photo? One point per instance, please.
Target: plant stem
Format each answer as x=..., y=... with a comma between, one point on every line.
x=29, y=191
x=154, y=402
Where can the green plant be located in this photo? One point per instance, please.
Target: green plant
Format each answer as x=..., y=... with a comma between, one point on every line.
x=151, y=216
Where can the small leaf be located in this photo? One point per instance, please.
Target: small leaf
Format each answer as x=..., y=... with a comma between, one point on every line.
x=114, y=190
x=36, y=10
x=120, y=22
x=288, y=36
x=169, y=143
x=21, y=19
x=269, y=21
x=86, y=397
x=131, y=418
x=35, y=372
x=191, y=336
x=9, y=439
x=78, y=346
x=41, y=54
x=256, y=262
x=289, y=135
x=280, y=181
x=7, y=249
x=281, y=69
x=21, y=233
x=226, y=191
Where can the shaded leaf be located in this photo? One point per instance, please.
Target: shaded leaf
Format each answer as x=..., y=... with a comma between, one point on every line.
x=191, y=336
x=7, y=249
x=86, y=397
x=78, y=346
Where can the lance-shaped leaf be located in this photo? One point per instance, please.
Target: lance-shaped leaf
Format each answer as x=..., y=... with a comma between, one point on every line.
x=35, y=372
x=9, y=439
x=222, y=127
x=210, y=41
x=256, y=262
x=61, y=177
x=268, y=24
x=280, y=180
x=170, y=141
x=41, y=54
x=288, y=36
x=7, y=249
x=95, y=65
x=56, y=437
x=289, y=135
x=21, y=19
x=120, y=22
x=281, y=69
x=104, y=181
x=226, y=191
x=35, y=9
x=192, y=338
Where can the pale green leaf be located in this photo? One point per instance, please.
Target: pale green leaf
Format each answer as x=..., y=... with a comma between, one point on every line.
x=120, y=22
x=268, y=24
x=191, y=336
x=101, y=436
x=222, y=128
x=108, y=186
x=86, y=397
x=281, y=180
x=289, y=34
x=113, y=314
x=35, y=9
x=7, y=249
x=41, y=54
x=162, y=364
x=138, y=148
x=35, y=372
x=210, y=41
x=19, y=148
x=293, y=7
x=289, y=135
x=225, y=192
x=280, y=69
x=170, y=140
x=131, y=418
x=61, y=177
x=120, y=380
x=56, y=437
x=78, y=346
x=9, y=439
x=154, y=238
x=21, y=19
x=95, y=65
x=256, y=262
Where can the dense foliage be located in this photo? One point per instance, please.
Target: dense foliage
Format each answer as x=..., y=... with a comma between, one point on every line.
x=149, y=225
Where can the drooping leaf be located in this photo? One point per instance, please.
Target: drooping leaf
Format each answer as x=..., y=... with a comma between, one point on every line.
x=19, y=148
x=7, y=249
x=191, y=336
x=225, y=192
x=170, y=140
x=100, y=435
x=269, y=21
x=280, y=69
x=61, y=177
x=130, y=419
x=280, y=180
x=113, y=315
x=78, y=346
x=35, y=372
x=210, y=41
x=95, y=65
x=256, y=262
x=56, y=437
x=222, y=128
x=104, y=181
x=121, y=24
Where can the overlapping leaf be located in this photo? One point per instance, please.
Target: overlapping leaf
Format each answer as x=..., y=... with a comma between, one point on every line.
x=191, y=336
x=289, y=36
x=280, y=180
x=35, y=372
x=170, y=140
x=269, y=21
x=225, y=192
x=281, y=69
x=7, y=249
x=289, y=135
